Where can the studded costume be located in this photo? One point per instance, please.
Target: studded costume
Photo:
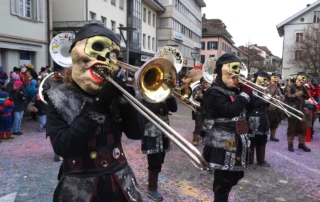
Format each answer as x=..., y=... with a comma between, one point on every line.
x=85, y=121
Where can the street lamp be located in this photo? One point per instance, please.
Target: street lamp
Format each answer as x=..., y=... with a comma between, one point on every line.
x=126, y=42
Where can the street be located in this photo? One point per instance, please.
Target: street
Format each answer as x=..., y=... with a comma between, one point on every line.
x=28, y=172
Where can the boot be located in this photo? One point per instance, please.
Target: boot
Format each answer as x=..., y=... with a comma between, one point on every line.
x=290, y=147
x=251, y=157
x=195, y=140
x=221, y=197
x=2, y=135
x=261, y=152
x=273, y=135
x=304, y=147
x=8, y=135
x=153, y=186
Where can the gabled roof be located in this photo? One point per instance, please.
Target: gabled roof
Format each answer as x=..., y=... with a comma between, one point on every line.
x=265, y=49
x=280, y=27
x=215, y=28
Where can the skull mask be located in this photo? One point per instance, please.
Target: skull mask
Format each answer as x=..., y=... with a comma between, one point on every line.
x=93, y=57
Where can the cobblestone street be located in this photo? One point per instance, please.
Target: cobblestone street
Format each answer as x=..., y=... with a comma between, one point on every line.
x=28, y=172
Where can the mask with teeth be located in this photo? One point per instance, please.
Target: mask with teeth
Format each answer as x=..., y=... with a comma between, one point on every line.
x=227, y=76
x=92, y=57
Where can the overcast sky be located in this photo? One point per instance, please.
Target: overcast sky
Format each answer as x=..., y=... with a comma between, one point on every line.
x=255, y=20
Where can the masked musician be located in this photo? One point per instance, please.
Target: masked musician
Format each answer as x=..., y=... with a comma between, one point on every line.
x=275, y=114
x=85, y=121
x=258, y=120
x=226, y=140
x=296, y=96
x=155, y=144
x=198, y=115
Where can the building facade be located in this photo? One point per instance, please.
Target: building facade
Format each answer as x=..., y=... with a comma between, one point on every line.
x=180, y=26
x=216, y=40
x=292, y=30
x=24, y=36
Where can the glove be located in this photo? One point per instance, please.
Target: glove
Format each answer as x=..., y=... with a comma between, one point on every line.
x=246, y=89
x=299, y=94
x=108, y=93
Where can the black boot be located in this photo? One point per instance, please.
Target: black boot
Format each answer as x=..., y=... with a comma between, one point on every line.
x=221, y=197
x=261, y=153
x=290, y=147
x=304, y=147
x=251, y=157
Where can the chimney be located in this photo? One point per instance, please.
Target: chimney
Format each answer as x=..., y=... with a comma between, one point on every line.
x=308, y=5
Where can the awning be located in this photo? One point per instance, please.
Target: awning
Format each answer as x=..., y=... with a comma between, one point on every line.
x=18, y=46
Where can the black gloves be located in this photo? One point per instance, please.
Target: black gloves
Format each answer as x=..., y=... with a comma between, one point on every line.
x=107, y=94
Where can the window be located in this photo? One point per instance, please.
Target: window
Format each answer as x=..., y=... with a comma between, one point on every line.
x=144, y=14
x=154, y=20
x=26, y=8
x=92, y=16
x=212, y=45
x=113, y=2
x=144, y=41
x=203, y=58
x=113, y=25
x=299, y=37
x=297, y=55
x=121, y=4
x=153, y=48
x=104, y=21
x=203, y=45
x=149, y=42
x=121, y=39
x=212, y=56
x=149, y=17
x=316, y=17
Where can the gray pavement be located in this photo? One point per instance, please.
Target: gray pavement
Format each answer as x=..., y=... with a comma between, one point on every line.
x=28, y=172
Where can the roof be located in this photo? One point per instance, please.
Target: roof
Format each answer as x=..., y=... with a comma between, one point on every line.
x=265, y=49
x=215, y=28
x=155, y=4
x=280, y=27
x=201, y=3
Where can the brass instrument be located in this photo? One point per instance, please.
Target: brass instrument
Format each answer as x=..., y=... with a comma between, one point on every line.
x=260, y=89
x=283, y=85
x=156, y=81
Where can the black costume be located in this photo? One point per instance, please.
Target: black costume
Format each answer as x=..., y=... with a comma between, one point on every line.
x=86, y=129
x=226, y=145
x=154, y=143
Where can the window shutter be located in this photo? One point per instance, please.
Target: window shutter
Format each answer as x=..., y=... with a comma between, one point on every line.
x=40, y=10
x=14, y=7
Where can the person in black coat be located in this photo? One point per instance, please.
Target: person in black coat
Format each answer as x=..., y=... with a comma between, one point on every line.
x=86, y=117
x=155, y=144
x=225, y=127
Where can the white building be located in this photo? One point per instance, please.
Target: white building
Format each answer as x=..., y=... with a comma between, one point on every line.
x=292, y=29
x=149, y=28
x=71, y=15
x=24, y=34
x=180, y=25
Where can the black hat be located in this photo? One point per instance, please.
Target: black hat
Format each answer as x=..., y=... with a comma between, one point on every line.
x=95, y=29
x=276, y=74
x=262, y=74
x=225, y=59
x=303, y=74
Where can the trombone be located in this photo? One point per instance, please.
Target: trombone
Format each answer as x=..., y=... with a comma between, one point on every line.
x=156, y=81
x=271, y=100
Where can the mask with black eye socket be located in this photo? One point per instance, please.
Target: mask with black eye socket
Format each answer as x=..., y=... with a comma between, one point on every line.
x=94, y=58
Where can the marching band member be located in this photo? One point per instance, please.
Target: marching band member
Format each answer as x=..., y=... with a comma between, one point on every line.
x=226, y=141
x=155, y=144
x=275, y=114
x=198, y=115
x=296, y=96
x=85, y=121
x=258, y=121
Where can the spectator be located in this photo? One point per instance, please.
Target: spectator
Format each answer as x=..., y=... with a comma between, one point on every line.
x=19, y=97
x=42, y=70
x=3, y=74
x=2, y=85
x=14, y=77
x=41, y=113
x=48, y=69
x=24, y=76
x=6, y=106
x=32, y=71
x=32, y=92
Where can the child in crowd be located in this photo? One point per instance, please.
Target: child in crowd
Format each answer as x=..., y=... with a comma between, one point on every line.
x=19, y=96
x=6, y=106
x=41, y=112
